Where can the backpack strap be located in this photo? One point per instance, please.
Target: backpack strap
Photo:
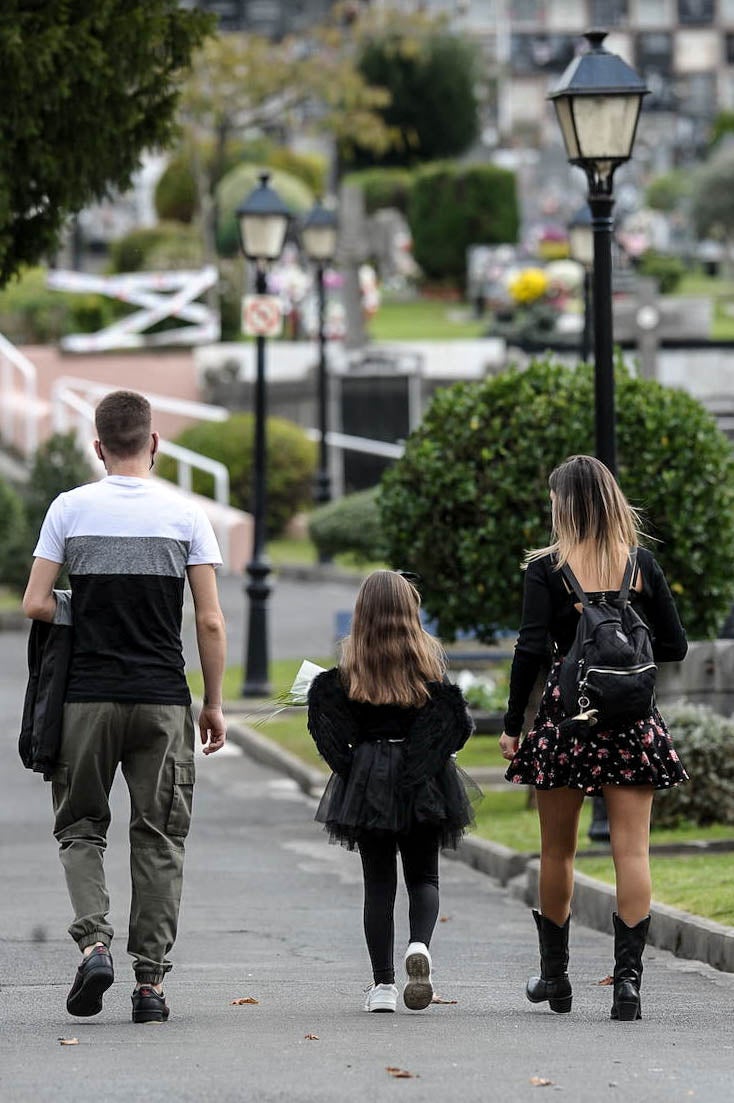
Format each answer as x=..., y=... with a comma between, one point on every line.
x=629, y=573
x=574, y=584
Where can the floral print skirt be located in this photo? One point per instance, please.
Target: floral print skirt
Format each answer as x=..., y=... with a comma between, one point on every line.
x=638, y=753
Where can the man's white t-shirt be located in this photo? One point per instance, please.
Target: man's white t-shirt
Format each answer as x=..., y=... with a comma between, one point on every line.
x=126, y=543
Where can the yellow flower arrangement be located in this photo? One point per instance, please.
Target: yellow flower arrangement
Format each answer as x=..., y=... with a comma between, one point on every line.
x=528, y=285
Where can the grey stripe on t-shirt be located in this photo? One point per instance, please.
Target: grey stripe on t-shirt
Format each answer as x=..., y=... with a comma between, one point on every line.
x=148, y=555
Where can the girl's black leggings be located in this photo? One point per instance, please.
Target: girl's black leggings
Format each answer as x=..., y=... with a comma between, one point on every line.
x=419, y=854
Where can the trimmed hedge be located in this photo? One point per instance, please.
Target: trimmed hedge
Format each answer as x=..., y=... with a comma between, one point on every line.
x=666, y=269
x=349, y=524
x=236, y=186
x=470, y=493
x=59, y=464
x=290, y=458
x=167, y=245
x=704, y=741
x=454, y=206
x=31, y=313
x=383, y=187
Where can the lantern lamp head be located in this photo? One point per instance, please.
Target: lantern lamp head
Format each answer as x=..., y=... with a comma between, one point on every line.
x=263, y=220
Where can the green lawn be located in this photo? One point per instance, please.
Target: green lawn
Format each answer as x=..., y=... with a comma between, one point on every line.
x=424, y=320
x=290, y=551
x=721, y=291
x=699, y=883
x=9, y=601
x=282, y=673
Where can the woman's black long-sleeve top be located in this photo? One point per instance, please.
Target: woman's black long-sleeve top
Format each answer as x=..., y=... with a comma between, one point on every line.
x=549, y=617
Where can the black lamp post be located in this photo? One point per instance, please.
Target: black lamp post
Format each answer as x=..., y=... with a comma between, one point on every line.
x=319, y=240
x=581, y=247
x=263, y=220
x=598, y=105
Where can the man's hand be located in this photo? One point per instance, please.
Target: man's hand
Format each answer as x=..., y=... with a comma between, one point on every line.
x=212, y=727
x=509, y=745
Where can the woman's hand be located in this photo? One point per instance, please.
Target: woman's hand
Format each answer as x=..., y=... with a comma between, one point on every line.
x=509, y=745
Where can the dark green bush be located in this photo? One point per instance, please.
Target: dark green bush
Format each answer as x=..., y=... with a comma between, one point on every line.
x=470, y=494
x=169, y=244
x=58, y=465
x=291, y=462
x=349, y=524
x=176, y=198
x=704, y=741
x=664, y=268
x=383, y=187
x=15, y=540
x=454, y=206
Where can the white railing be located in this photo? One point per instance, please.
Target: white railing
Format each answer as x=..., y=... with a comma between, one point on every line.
x=347, y=443
x=13, y=361
x=67, y=401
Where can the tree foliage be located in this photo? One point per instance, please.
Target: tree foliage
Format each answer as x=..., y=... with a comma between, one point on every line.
x=470, y=494
x=59, y=464
x=431, y=78
x=85, y=88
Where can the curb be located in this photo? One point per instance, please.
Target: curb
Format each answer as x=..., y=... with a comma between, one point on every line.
x=683, y=934
x=318, y=572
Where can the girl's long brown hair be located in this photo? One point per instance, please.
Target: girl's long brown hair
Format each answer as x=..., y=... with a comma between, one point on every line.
x=589, y=508
x=388, y=656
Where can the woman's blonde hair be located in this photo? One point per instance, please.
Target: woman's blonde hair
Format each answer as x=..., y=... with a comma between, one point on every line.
x=388, y=656
x=588, y=507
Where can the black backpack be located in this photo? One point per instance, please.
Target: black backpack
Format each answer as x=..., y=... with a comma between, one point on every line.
x=608, y=675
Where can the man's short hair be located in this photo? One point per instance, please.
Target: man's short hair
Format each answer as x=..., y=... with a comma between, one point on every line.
x=123, y=423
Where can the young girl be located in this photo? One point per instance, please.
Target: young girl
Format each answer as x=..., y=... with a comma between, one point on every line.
x=594, y=532
x=388, y=725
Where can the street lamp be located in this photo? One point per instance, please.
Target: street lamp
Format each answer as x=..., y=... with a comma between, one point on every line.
x=598, y=103
x=581, y=247
x=319, y=239
x=262, y=220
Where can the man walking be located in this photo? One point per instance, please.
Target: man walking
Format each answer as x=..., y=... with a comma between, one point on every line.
x=127, y=543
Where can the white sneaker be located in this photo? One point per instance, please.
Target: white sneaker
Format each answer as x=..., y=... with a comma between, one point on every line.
x=418, y=992
x=381, y=997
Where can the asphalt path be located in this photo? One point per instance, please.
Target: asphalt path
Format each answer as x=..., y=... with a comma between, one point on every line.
x=271, y=911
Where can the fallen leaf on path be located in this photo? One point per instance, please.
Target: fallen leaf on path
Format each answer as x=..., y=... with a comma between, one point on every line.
x=400, y=1074
x=606, y=980
x=69, y=1041
x=540, y=1082
x=439, y=999
x=311, y=1037
x=244, y=999
x=444, y=919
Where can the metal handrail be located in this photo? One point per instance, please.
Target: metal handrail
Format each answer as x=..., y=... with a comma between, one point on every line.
x=348, y=443
x=12, y=358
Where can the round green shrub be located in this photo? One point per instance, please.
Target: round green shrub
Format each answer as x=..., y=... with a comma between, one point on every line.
x=666, y=269
x=310, y=168
x=171, y=244
x=236, y=186
x=176, y=198
x=15, y=539
x=290, y=458
x=704, y=741
x=454, y=206
x=470, y=494
x=349, y=524
x=383, y=187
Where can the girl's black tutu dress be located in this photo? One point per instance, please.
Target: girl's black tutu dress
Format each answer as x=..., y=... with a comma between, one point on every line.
x=392, y=767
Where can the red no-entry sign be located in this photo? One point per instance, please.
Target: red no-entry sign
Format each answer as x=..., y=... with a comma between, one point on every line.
x=261, y=316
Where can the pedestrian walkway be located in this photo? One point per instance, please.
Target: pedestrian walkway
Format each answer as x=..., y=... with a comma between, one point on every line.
x=272, y=912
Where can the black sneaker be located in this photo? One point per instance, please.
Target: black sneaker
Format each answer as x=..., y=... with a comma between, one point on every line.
x=93, y=977
x=149, y=1006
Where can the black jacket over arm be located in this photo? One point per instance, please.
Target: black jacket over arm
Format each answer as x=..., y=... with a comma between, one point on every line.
x=549, y=620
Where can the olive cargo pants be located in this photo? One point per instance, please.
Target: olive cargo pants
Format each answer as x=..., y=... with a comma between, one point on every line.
x=154, y=745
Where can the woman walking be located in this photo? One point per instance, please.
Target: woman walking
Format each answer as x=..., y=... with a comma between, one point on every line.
x=387, y=725
x=595, y=555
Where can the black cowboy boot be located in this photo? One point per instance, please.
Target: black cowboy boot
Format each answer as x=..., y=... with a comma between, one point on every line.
x=629, y=942
x=553, y=984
